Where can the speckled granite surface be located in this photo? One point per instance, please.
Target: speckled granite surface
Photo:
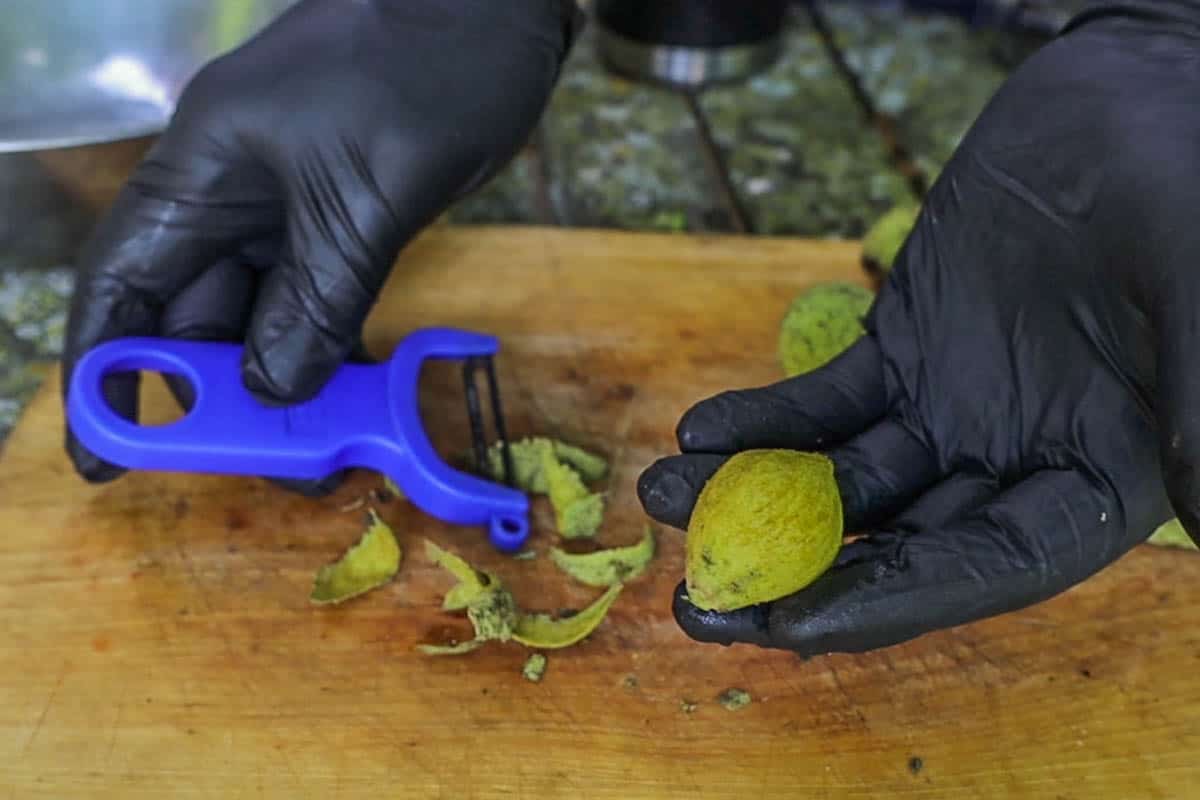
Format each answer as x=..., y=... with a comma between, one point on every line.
x=799, y=150
x=33, y=307
x=623, y=155
x=932, y=75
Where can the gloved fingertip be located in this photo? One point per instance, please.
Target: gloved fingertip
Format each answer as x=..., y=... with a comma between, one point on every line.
x=658, y=489
x=704, y=427
x=747, y=625
x=668, y=488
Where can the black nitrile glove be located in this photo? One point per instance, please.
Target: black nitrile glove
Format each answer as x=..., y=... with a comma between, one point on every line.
x=295, y=170
x=1027, y=397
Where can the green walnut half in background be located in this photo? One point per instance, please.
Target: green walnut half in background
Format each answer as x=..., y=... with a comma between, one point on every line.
x=885, y=238
x=820, y=323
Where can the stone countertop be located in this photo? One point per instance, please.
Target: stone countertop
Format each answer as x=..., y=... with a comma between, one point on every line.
x=808, y=147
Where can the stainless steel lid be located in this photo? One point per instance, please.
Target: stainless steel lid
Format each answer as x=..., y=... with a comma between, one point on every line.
x=689, y=43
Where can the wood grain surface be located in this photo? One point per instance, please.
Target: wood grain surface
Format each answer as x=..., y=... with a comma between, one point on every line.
x=156, y=638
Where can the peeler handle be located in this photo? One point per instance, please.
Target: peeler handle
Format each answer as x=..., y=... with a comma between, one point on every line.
x=366, y=416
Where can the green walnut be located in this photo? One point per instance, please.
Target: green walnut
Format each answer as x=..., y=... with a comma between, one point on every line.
x=821, y=323
x=767, y=524
x=885, y=238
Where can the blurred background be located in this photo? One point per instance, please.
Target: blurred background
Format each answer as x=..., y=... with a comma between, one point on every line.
x=766, y=118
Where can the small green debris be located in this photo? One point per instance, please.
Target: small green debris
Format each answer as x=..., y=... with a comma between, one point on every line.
x=915, y=765
x=369, y=564
x=672, y=221
x=526, y=555
x=493, y=614
x=630, y=682
x=688, y=706
x=606, y=567
x=577, y=512
x=458, y=649
x=527, y=463
x=535, y=668
x=353, y=505
x=1171, y=534
x=733, y=699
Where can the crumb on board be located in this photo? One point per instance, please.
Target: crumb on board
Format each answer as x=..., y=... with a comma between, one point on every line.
x=733, y=699
x=451, y=649
x=688, y=706
x=535, y=668
x=353, y=505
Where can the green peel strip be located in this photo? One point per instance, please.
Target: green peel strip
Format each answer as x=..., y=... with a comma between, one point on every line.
x=369, y=564
x=606, y=567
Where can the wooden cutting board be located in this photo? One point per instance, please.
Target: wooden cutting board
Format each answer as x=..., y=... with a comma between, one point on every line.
x=157, y=638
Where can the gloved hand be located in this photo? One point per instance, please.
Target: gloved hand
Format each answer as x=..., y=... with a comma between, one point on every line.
x=1025, y=405
x=294, y=171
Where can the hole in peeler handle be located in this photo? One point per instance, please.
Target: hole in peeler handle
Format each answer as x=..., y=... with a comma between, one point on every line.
x=163, y=398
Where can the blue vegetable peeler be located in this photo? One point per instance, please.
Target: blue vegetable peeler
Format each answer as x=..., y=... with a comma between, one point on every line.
x=366, y=416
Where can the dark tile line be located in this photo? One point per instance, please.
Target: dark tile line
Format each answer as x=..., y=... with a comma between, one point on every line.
x=714, y=161
x=548, y=211
x=9, y=340
x=884, y=124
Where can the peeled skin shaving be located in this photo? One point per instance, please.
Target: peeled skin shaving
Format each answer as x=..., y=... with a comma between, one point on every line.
x=767, y=524
x=369, y=564
x=490, y=606
x=471, y=582
x=526, y=457
x=462, y=648
x=606, y=567
x=496, y=617
x=577, y=512
x=545, y=632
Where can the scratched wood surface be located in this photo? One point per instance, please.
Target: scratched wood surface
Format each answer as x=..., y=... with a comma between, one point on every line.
x=156, y=638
